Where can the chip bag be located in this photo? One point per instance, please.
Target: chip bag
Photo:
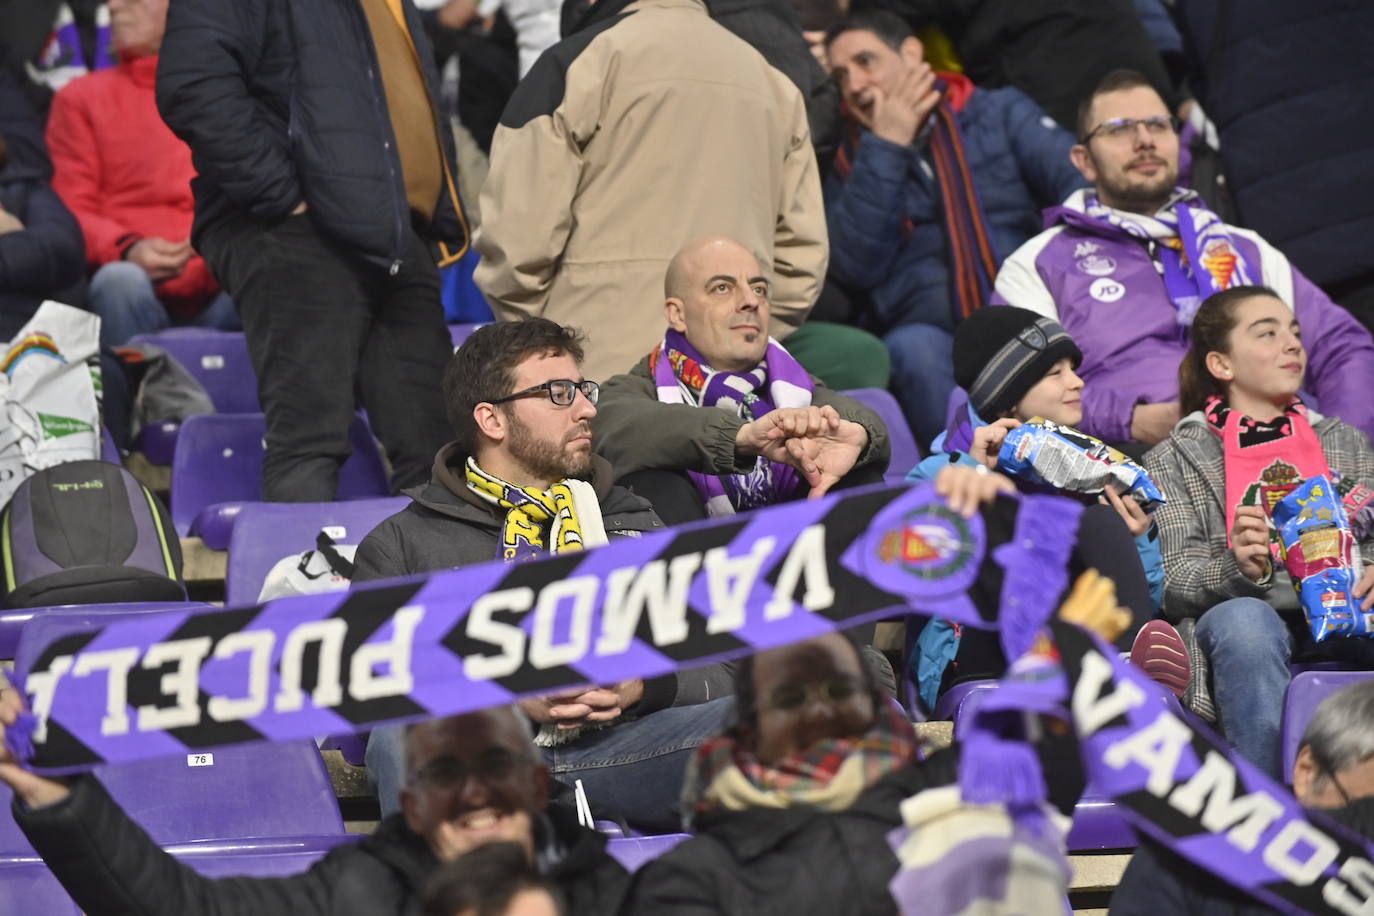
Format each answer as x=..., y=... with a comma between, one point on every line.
x=1320, y=554
x=1067, y=459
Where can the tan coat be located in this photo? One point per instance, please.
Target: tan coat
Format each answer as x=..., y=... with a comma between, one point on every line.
x=647, y=129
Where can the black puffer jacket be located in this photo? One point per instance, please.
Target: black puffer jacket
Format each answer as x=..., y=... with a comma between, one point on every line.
x=281, y=101
x=110, y=866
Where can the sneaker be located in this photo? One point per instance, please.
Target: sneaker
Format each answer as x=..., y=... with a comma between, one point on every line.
x=1159, y=651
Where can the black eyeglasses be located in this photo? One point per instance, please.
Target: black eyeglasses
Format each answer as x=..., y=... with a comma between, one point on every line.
x=1121, y=128
x=445, y=772
x=562, y=391
x=837, y=688
x=1330, y=772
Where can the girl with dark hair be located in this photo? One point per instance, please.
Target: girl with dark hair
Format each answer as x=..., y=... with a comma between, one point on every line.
x=1245, y=441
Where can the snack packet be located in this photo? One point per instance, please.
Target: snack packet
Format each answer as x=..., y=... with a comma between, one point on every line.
x=1067, y=459
x=1321, y=557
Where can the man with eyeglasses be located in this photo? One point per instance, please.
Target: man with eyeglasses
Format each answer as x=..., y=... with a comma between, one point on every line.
x=520, y=482
x=1333, y=774
x=1123, y=266
x=471, y=780
x=937, y=181
x=719, y=418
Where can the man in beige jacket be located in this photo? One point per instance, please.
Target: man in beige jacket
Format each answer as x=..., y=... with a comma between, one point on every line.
x=646, y=128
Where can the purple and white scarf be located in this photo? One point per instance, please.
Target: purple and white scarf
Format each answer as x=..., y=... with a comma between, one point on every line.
x=682, y=376
x=1199, y=257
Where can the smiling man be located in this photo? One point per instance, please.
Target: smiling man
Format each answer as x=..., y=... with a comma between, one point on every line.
x=719, y=418
x=518, y=483
x=473, y=779
x=1124, y=265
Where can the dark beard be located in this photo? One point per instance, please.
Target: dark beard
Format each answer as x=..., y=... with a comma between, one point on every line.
x=544, y=459
x=1135, y=198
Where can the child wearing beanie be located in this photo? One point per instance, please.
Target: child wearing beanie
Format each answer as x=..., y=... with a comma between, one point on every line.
x=1014, y=365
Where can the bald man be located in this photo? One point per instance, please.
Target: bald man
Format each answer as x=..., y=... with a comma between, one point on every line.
x=471, y=780
x=720, y=418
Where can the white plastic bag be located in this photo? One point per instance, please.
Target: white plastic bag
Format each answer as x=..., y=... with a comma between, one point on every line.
x=49, y=394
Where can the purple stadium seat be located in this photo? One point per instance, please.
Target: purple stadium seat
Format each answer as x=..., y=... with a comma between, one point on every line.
x=218, y=468
x=634, y=851
x=1305, y=694
x=266, y=532
x=12, y=622
x=108, y=450
x=218, y=360
x=905, y=452
x=460, y=332
x=959, y=700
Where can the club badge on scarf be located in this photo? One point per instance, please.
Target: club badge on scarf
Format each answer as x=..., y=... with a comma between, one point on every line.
x=157, y=684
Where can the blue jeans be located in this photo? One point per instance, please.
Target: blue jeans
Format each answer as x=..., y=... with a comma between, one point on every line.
x=635, y=768
x=922, y=376
x=1249, y=646
x=122, y=295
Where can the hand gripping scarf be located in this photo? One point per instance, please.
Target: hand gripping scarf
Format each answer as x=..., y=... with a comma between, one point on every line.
x=1199, y=256
x=564, y=518
x=682, y=376
x=1264, y=462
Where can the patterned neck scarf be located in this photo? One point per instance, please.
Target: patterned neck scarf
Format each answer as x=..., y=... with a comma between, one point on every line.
x=534, y=518
x=830, y=774
x=682, y=376
x=1198, y=257
x=1264, y=461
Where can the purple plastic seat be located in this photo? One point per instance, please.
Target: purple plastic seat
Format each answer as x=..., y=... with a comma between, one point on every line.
x=906, y=454
x=461, y=332
x=218, y=468
x=266, y=532
x=108, y=450
x=1305, y=694
x=634, y=851
x=957, y=702
x=12, y=622
x=217, y=359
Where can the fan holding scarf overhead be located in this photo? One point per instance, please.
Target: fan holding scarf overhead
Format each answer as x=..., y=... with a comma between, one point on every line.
x=937, y=181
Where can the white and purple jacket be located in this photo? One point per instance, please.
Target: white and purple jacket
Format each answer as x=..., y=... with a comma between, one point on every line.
x=1103, y=287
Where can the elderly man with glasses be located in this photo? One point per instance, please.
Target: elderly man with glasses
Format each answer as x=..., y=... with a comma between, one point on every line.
x=1124, y=265
x=520, y=482
x=1333, y=774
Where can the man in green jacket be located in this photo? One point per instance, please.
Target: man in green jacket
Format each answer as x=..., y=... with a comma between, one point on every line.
x=719, y=418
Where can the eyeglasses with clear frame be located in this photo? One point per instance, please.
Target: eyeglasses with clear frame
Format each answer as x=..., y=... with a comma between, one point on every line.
x=836, y=689
x=562, y=391
x=1121, y=128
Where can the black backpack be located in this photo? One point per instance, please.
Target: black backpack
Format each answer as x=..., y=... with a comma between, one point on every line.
x=87, y=532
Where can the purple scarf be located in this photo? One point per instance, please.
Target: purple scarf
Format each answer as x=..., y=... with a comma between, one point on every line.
x=682, y=376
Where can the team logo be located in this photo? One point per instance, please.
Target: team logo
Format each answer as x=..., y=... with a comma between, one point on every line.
x=1096, y=265
x=933, y=543
x=1105, y=289
x=1086, y=248
x=1275, y=482
x=1219, y=258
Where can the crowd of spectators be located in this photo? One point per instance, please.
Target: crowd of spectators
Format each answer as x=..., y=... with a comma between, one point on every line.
x=702, y=223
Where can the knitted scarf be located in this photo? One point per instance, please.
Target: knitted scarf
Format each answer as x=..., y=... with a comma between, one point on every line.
x=972, y=257
x=1264, y=461
x=682, y=376
x=830, y=774
x=1192, y=236
x=540, y=521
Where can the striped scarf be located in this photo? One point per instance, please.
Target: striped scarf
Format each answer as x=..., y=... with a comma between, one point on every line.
x=972, y=257
x=534, y=518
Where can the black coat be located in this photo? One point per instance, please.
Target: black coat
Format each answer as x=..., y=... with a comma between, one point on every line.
x=110, y=866
x=281, y=101
x=798, y=861
x=46, y=258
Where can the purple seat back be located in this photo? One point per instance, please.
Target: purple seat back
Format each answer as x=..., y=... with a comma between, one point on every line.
x=252, y=790
x=219, y=460
x=264, y=533
x=1305, y=694
x=108, y=450
x=12, y=623
x=906, y=454
x=217, y=359
x=957, y=702
x=634, y=851
x=461, y=332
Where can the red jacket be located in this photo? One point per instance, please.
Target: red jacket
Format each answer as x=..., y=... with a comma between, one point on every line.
x=125, y=175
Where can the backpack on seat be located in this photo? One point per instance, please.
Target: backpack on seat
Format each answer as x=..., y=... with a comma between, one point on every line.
x=87, y=532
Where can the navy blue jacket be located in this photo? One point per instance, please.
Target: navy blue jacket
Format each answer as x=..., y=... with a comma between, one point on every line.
x=1019, y=160
x=281, y=101
x=47, y=257
x=1288, y=86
